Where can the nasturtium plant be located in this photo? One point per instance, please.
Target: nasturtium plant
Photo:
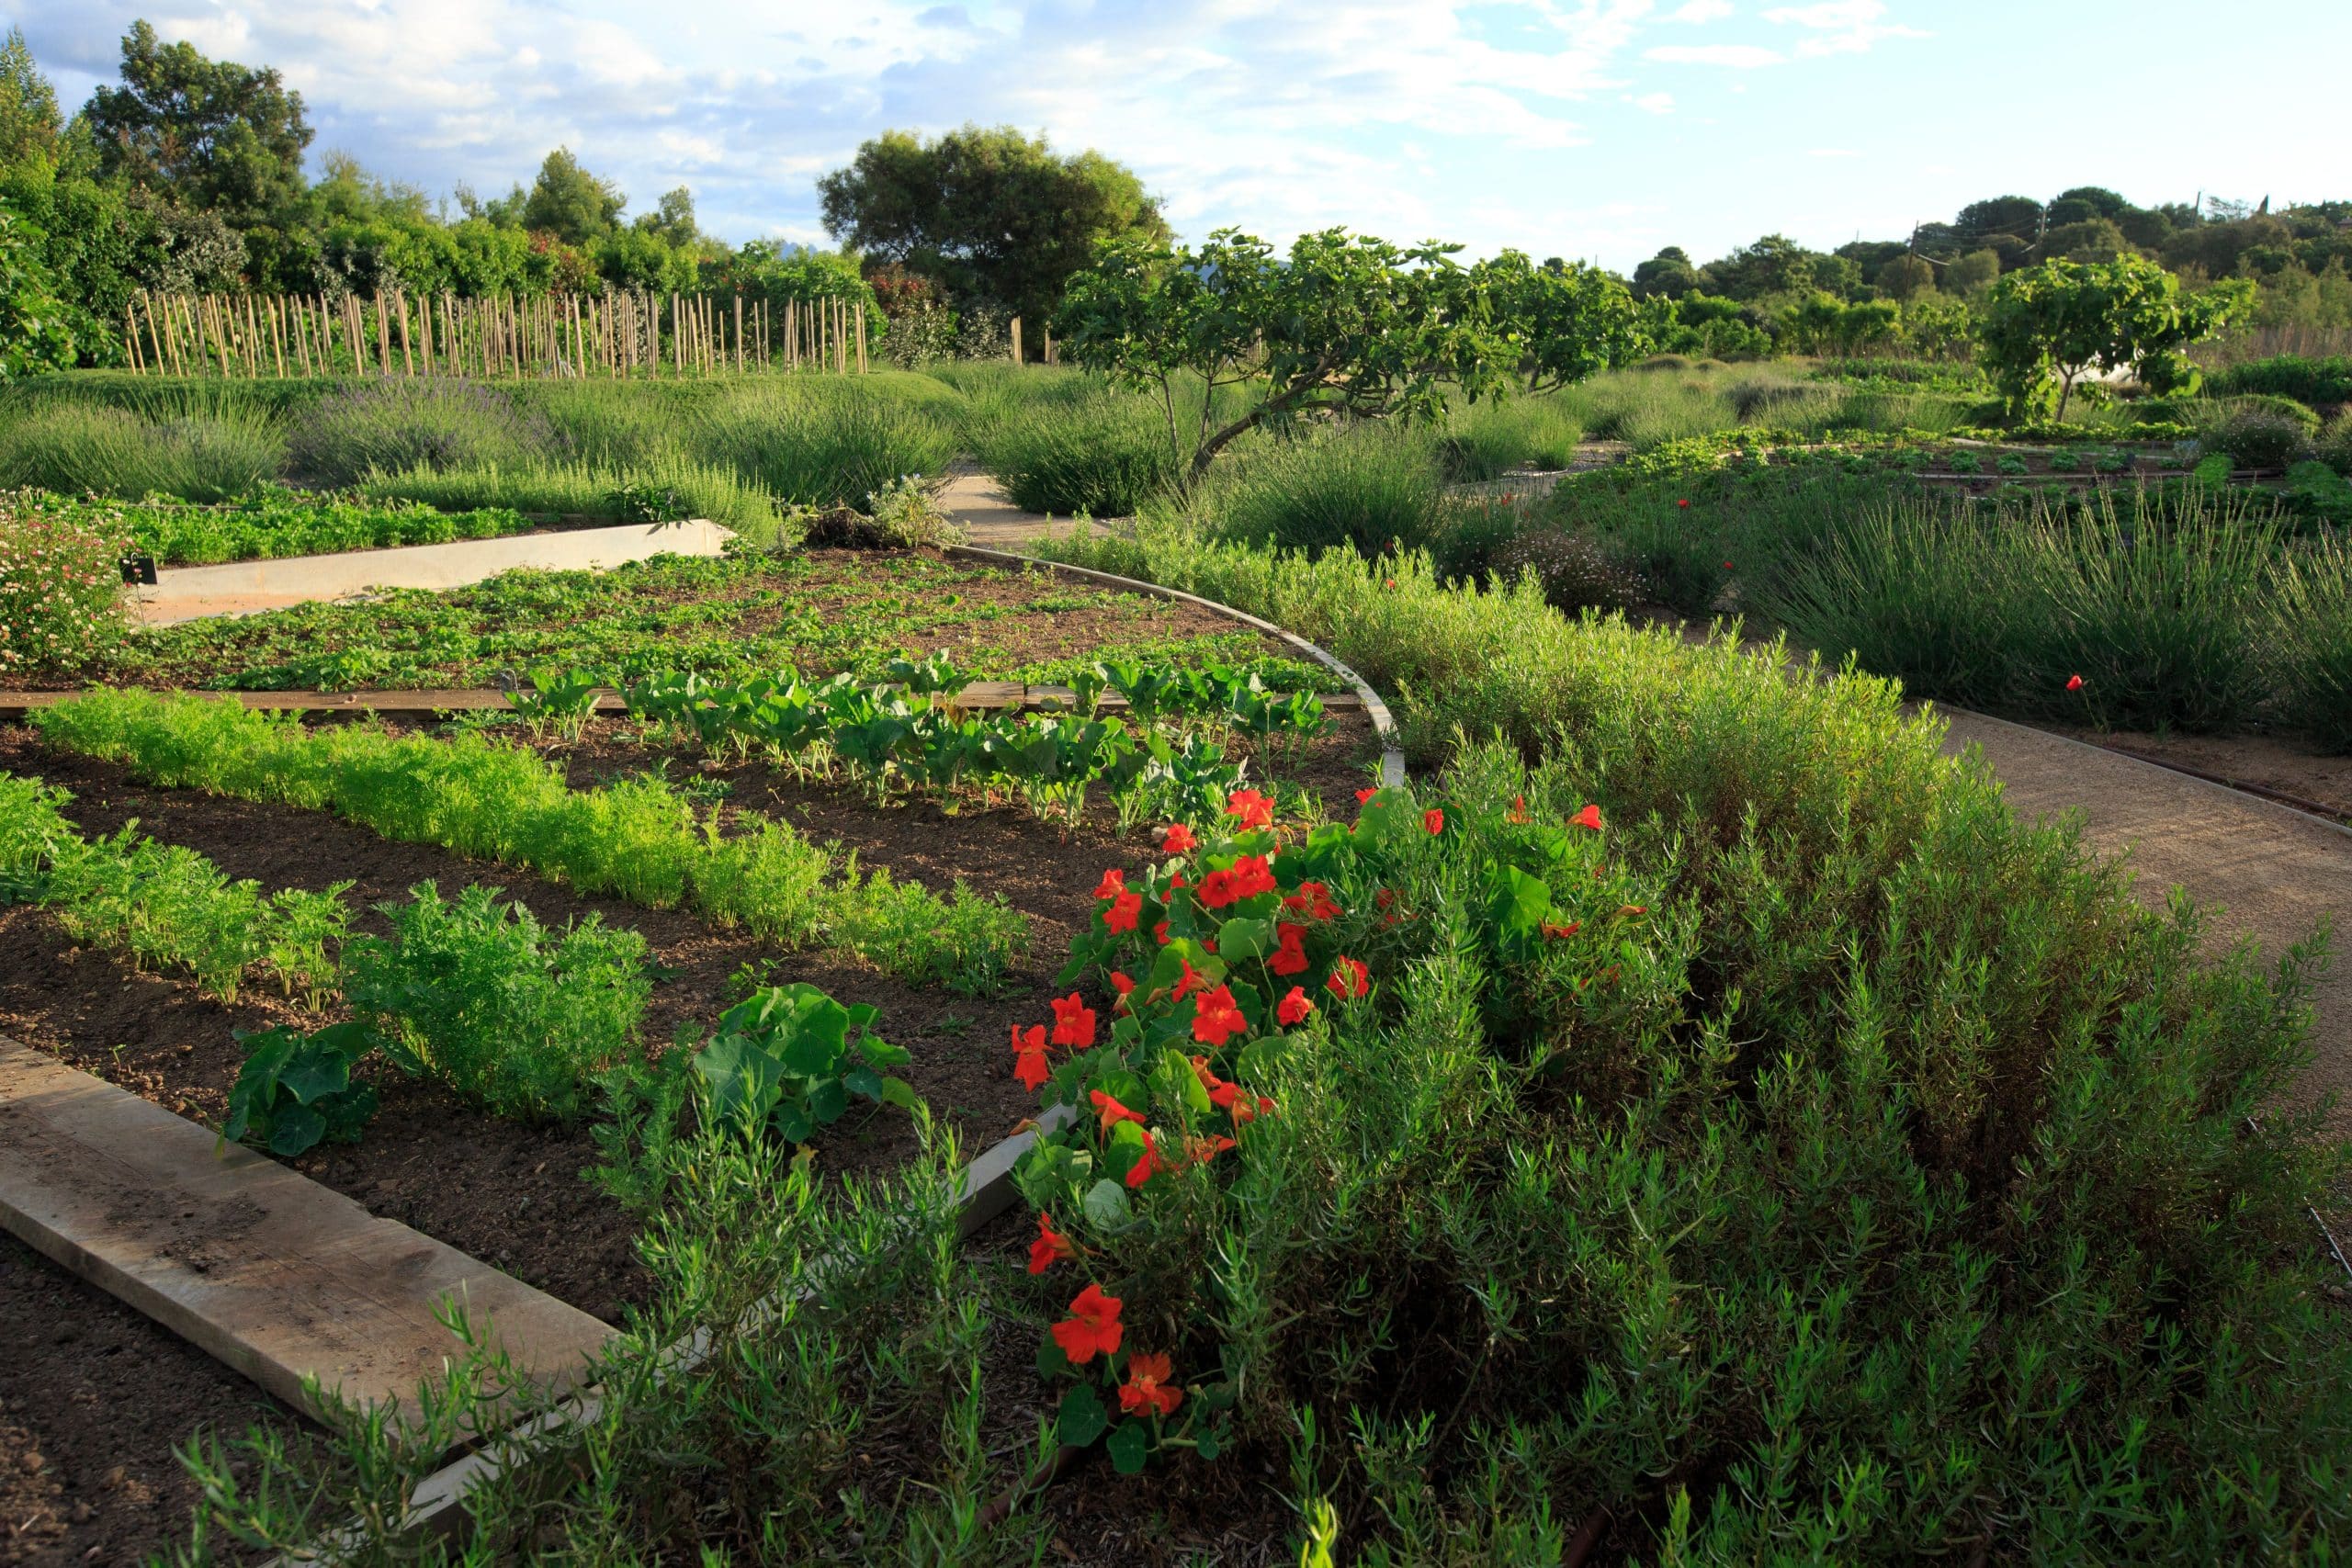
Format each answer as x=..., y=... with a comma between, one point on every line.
x=791, y=1058
x=296, y=1090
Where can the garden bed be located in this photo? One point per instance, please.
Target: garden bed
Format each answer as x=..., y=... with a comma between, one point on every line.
x=821, y=611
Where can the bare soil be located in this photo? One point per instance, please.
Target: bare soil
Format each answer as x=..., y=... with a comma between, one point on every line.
x=2270, y=762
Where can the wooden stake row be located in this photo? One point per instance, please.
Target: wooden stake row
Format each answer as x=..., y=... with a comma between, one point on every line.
x=622, y=333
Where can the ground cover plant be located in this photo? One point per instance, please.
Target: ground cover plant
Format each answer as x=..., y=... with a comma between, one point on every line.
x=60, y=584
x=272, y=524
x=641, y=838
x=723, y=617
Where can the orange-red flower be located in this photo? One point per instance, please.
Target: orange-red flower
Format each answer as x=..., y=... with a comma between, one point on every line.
x=1518, y=813
x=1160, y=931
x=1029, y=1056
x=1050, y=1247
x=1363, y=796
x=1434, y=820
x=1239, y=1103
x=1148, y=1164
x=2073, y=682
x=1073, y=1022
x=1294, y=1008
x=1349, y=979
x=1312, y=901
x=1190, y=981
x=1149, y=1386
x=1200, y=1150
x=1113, y=1113
x=1113, y=883
x=1216, y=1018
x=1123, y=986
x=1685, y=505
x=1569, y=928
x=1255, y=810
x=1178, y=841
x=1632, y=908
x=1091, y=1328
x=1290, y=954
x=1589, y=817
x=1124, y=911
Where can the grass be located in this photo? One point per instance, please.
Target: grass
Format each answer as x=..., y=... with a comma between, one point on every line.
x=1316, y=489
x=273, y=525
x=196, y=456
x=639, y=839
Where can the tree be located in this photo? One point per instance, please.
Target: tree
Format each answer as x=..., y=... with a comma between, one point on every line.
x=1773, y=264
x=2044, y=326
x=2012, y=217
x=29, y=124
x=2086, y=202
x=34, y=338
x=1568, y=321
x=1971, y=272
x=673, y=221
x=999, y=218
x=1668, y=273
x=2093, y=239
x=1903, y=275
x=569, y=202
x=212, y=136
x=1344, y=324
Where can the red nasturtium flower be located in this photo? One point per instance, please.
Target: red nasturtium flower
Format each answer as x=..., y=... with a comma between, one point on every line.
x=1124, y=911
x=1200, y=1150
x=1123, y=986
x=1385, y=898
x=1190, y=981
x=1682, y=504
x=2073, y=682
x=1294, y=1007
x=1217, y=890
x=1434, y=820
x=1112, y=1111
x=1093, y=1327
x=1518, y=813
x=1160, y=931
x=1113, y=883
x=1290, y=956
x=1029, y=1056
x=1363, y=796
x=1178, y=841
x=1589, y=817
x=1148, y=1164
x=1216, y=1018
x=1255, y=810
x=1073, y=1022
x=1252, y=874
x=1147, y=1387
x=1349, y=979
x=1632, y=908
x=1391, y=582
x=1314, y=901
x=1050, y=1247
x=1239, y=1102
x=1569, y=930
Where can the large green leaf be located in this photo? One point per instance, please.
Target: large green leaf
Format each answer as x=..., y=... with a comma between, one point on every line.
x=745, y=1081
x=1082, y=1419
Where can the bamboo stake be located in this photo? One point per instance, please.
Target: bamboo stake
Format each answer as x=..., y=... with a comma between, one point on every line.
x=154, y=341
x=252, y=339
x=861, y=337
x=1017, y=340
x=278, y=337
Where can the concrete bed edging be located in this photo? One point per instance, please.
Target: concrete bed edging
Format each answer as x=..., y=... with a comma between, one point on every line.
x=1384, y=724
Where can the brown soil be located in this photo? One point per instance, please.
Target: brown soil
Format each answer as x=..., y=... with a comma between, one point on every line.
x=93, y=1397
x=2281, y=766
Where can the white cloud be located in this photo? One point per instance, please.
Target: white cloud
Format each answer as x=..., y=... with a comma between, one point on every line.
x=1734, y=56
x=1697, y=11
x=1654, y=103
x=1840, y=27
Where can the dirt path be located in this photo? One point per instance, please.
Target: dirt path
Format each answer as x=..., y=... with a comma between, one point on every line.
x=988, y=516
x=2259, y=870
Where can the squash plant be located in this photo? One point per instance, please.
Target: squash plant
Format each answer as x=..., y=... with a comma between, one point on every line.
x=296, y=1090
x=791, y=1057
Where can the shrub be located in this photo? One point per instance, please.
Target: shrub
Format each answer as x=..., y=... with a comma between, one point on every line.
x=476, y=994
x=1487, y=440
x=62, y=599
x=2312, y=642
x=1319, y=490
x=816, y=441
x=388, y=426
x=74, y=448
x=1574, y=573
x=2303, y=378
x=2334, y=446
x=1104, y=455
x=2220, y=410
x=2258, y=438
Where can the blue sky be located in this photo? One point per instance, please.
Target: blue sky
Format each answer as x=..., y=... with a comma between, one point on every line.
x=1599, y=129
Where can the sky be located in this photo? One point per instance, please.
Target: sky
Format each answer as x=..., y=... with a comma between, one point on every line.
x=1598, y=130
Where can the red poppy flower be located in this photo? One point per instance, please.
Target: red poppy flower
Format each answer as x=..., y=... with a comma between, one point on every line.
x=1147, y=1387
x=1349, y=979
x=1178, y=841
x=1682, y=504
x=1434, y=820
x=1091, y=1327
x=1569, y=930
x=1112, y=1111
x=1313, y=901
x=1073, y=1022
x=1113, y=883
x=1050, y=1247
x=1123, y=986
x=1294, y=1007
x=2073, y=682
x=1148, y=1164
x=1589, y=817
x=1216, y=1018
x=1363, y=796
x=1255, y=810
x=1124, y=911
x=1726, y=565
x=1518, y=810
x=1290, y=956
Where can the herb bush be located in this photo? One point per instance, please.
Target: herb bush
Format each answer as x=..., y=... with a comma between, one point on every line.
x=1487, y=439
x=475, y=993
x=2311, y=647
x=1104, y=455
x=2334, y=445
x=1319, y=490
x=77, y=448
x=61, y=601
x=2258, y=437
x=2306, y=378
x=365, y=427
